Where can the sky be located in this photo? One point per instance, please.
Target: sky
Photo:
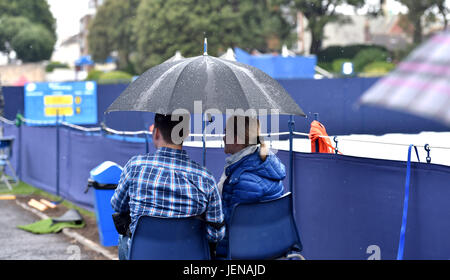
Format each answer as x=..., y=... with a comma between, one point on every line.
x=67, y=14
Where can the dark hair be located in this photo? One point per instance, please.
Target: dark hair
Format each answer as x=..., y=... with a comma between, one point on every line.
x=165, y=124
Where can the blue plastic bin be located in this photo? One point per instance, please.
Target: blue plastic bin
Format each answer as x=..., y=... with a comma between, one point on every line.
x=104, y=179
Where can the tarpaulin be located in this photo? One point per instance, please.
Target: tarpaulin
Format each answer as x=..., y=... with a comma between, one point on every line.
x=351, y=208
x=345, y=207
x=336, y=101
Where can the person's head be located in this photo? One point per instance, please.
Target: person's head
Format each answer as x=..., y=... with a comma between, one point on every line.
x=168, y=132
x=241, y=132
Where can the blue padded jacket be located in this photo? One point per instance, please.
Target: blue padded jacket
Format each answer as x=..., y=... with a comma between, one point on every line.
x=252, y=180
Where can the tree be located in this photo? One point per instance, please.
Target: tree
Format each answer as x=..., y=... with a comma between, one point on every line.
x=22, y=17
x=319, y=13
x=416, y=9
x=112, y=30
x=444, y=10
x=258, y=25
x=36, y=11
x=164, y=26
x=10, y=27
x=33, y=43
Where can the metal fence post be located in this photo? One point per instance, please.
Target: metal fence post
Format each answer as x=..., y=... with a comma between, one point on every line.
x=291, y=125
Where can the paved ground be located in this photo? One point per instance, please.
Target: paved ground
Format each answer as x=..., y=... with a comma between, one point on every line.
x=17, y=244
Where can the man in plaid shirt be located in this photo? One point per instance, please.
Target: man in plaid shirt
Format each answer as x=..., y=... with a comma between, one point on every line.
x=167, y=184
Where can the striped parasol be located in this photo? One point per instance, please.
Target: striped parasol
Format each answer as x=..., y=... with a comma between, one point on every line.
x=420, y=84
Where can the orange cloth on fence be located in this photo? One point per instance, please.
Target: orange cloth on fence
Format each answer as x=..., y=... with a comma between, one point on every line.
x=317, y=130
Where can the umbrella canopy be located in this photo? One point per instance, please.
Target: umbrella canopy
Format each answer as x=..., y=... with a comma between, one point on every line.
x=420, y=84
x=218, y=83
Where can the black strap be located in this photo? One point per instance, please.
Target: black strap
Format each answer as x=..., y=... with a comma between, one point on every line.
x=216, y=226
x=122, y=223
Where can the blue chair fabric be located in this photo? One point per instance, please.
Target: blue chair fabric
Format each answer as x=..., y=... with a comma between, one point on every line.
x=263, y=230
x=158, y=238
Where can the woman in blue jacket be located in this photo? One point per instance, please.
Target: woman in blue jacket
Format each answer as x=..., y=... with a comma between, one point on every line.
x=252, y=173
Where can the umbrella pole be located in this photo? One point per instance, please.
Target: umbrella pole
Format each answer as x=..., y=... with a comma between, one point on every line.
x=204, y=139
x=205, y=52
x=291, y=125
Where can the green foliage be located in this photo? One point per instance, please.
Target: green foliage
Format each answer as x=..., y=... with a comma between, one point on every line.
x=108, y=77
x=367, y=56
x=24, y=17
x=319, y=13
x=114, y=77
x=328, y=66
x=337, y=64
x=33, y=43
x=94, y=75
x=112, y=30
x=52, y=65
x=378, y=68
x=332, y=53
x=164, y=26
x=36, y=11
x=10, y=27
x=416, y=10
x=360, y=55
x=146, y=32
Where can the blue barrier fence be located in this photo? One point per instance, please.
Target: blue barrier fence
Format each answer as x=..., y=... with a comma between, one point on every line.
x=345, y=207
x=334, y=99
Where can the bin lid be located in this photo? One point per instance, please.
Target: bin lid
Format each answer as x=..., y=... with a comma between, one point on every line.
x=107, y=173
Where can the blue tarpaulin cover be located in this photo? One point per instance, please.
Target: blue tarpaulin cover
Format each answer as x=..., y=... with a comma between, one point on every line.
x=279, y=67
x=334, y=99
x=345, y=207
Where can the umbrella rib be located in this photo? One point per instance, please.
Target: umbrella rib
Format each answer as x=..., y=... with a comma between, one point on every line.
x=239, y=83
x=163, y=77
x=176, y=82
x=254, y=81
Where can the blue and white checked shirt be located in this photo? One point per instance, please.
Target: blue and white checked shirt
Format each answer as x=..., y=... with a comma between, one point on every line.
x=168, y=184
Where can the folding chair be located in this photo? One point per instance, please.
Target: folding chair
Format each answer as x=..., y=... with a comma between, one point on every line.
x=264, y=230
x=6, y=144
x=169, y=239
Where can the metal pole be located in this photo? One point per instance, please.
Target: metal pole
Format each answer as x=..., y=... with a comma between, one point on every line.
x=291, y=152
x=57, y=152
x=19, y=160
x=316, y=117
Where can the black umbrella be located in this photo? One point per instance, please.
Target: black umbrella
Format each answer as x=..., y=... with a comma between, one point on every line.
x=218, y=83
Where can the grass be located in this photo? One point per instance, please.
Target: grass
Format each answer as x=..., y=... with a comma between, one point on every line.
x=23, y=189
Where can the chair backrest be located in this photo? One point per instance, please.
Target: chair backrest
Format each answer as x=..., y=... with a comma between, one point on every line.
x=263, y=230
x=169, y=239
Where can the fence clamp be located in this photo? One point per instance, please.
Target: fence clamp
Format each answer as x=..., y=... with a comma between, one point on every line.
x=335, y=141
x=427, y=148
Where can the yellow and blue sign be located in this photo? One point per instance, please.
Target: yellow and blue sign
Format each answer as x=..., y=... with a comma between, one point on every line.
x=73, y=102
